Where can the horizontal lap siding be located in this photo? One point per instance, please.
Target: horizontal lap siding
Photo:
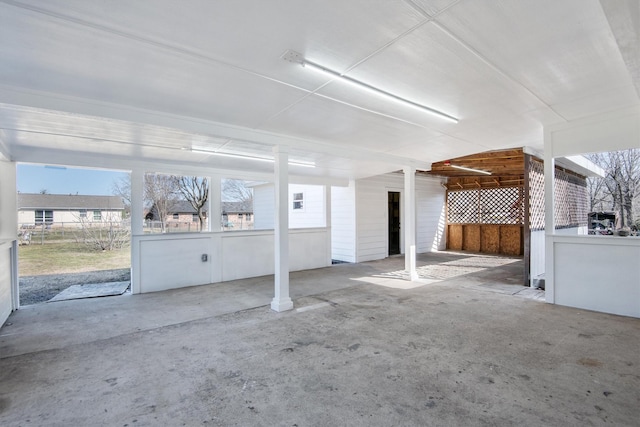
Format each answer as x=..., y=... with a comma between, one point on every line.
x=263, y=207
x=372, y=217
x=343, y=223
x=371, y=208
x=430, y=216
x=313, y=212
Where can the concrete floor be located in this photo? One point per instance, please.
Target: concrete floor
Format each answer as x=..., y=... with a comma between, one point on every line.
x=363, y=347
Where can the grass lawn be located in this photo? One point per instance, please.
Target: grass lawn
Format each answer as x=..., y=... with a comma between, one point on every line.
x=68, y=257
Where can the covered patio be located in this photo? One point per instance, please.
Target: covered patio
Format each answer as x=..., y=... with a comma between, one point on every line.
x=461, y=351
x=361, y=101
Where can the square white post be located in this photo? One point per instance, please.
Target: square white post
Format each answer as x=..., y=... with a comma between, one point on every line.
x=137, y=225
x=281, y=300
x=549, y=217
x=327, y=219
x=215, y=204
x=410, y=222
x=137, y=202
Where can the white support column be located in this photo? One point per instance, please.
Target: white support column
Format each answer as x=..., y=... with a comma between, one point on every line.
x=137, y=226
x=549, y=216
x=410, y=222
x=281, y=300
x=215, y=203
x=327, y=219
x=137, y=202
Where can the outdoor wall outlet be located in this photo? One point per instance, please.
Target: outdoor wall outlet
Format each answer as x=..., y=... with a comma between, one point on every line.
x=204, y=257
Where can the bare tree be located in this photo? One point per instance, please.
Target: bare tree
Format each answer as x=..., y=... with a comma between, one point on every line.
x=122, y=187
x=161, y=191
x=195, y=190
x=236, y=190
x=104, y=236
x=620, y=188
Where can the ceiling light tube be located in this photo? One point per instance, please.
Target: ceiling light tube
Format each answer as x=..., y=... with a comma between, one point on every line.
x=300, y=163
x=361, y=85
x=470, y=170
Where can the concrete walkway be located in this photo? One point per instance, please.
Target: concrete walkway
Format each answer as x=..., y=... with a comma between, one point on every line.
x=363, y=347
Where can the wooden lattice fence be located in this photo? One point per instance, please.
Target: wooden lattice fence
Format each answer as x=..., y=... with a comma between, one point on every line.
x=571, y=207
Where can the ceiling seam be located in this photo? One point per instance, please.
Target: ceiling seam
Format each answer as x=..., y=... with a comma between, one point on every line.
x=193, y=54
x=162, y=45
x=632, y=63
x=427, y=18
x=351, y=67
x=495, y=67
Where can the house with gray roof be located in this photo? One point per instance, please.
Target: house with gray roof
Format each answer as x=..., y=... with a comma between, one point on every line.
x=234, y=215
x=67, y=209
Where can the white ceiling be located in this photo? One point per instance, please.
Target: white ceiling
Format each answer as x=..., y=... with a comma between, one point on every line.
x=132, y=84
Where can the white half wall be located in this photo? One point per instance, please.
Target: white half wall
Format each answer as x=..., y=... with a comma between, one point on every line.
x=600, y=273
x=8, y=236
x=6, y=296
x=170, y=261
x=537, y=250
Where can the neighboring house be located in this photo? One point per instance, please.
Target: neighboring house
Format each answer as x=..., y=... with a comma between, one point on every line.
x=237, y=215
x=234, y=215
x=181, y=211
x=67, y=209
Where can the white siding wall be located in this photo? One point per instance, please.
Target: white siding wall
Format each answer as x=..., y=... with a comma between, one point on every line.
x=263, y=207
x=8, y=234
x=372, y=216
x=312, y=214
x=536, y=251
x=430, y=218
x=26, y=217
x=343, y=223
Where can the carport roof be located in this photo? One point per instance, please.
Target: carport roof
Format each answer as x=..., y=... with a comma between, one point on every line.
x=141, y=84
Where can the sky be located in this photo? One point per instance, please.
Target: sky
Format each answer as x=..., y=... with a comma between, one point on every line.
x=60, y=180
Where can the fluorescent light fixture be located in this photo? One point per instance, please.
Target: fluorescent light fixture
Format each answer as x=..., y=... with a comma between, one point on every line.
x=300, y=163
x=299, y=59
x=470, y=170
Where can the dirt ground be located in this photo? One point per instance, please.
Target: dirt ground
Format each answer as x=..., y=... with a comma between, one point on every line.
x=37, y=289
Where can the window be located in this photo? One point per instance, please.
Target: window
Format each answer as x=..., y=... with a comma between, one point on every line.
x=248, y=217
x=194, y=217
x=97, y=215
x=239, y=216
x=45, y=217
x=83, y=213
x=298, y=201
x=176, y=216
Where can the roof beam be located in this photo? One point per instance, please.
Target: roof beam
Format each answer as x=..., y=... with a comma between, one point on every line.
x=5, y=154
x=74, y=105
